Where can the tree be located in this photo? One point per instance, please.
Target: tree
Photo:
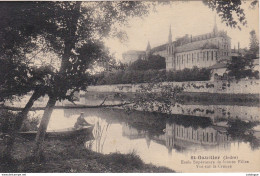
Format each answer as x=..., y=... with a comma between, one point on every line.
x=254, y=44
x=240, y=67
x=153, y=62
x=228, y=9
x=20, y=27
x=73, y=31
x=71, y=34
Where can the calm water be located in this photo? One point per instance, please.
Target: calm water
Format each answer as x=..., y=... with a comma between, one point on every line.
x=172, y=140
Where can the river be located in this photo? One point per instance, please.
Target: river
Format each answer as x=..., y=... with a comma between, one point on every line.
x=192, y=133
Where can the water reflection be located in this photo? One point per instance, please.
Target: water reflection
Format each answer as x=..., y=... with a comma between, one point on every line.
x=174, y=131
x=188, y=138
x=165, y=140
x=214, y=111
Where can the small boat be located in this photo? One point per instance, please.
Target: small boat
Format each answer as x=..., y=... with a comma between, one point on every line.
x=67, y=133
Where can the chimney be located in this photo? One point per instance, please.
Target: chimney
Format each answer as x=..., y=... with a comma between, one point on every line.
x=238, y=47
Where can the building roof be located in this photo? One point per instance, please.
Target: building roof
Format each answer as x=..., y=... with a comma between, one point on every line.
x=159, y=48
x=195, y=46
x=218, y=66
x=134, y=52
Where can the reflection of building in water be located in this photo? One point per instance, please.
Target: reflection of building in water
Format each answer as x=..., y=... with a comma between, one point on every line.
x=131, y=132
x=159, y=139
x=178, y=136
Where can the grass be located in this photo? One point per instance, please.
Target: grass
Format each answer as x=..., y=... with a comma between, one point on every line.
x=65, y=157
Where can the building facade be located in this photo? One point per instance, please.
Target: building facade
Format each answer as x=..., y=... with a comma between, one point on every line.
x=201, y=51
x=179, y=136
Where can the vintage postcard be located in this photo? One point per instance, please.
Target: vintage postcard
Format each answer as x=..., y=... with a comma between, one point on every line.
x=129, y=87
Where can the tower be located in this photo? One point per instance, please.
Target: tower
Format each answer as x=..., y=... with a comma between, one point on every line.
x=148, y=49
x=169, y=47
x=215, y=29
x=170, y=62
x=170, y=35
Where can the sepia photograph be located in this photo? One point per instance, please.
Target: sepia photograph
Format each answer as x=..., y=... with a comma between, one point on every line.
x=150, y=86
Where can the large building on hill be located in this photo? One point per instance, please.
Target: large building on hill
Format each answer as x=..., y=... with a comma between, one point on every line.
x=201, y=51
x=188, y=51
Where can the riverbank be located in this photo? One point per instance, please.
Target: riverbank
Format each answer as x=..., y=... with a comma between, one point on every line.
x=66, y=156
x=194, y=98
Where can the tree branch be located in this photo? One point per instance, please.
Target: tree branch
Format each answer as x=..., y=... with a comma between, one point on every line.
x=65, y=107
x=103, y=101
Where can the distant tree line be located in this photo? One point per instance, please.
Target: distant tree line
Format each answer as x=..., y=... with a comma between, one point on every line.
x=153, y=62
x=242, y=66
x=145, y=76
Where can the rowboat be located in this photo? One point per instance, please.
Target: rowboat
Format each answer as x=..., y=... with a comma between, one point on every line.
x=67, y=133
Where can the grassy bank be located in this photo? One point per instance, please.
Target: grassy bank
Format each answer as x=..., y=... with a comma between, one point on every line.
x=66, y=156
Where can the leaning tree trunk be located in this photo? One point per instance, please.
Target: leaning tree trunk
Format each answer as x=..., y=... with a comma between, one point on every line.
x=18, y=124
x=22, y=115
x=69, y=44
x=43, y=127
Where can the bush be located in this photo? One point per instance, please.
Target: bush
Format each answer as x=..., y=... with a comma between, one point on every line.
x=7, y=119
x=153, y=62
x=30, y=124
x=134, y=77
x=7, y=122
x=194, y=74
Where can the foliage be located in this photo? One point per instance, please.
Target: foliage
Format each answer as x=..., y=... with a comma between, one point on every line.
x=72, y=30
x=139, y=76
x=68, y=157
x=30, y=124
x=17, y=78
x=241, y=67
x=194, y=74
x=155, y=97
x=241, y=130
x=191, y=121
x=153, y=62
x=229, y=11
x=55, y=23
x=13, y=79
x=6, y=121
x=254, y=44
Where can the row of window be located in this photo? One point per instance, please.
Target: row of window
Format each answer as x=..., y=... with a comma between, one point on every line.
x=206, y=137
x=225, y=46
x=192, y=57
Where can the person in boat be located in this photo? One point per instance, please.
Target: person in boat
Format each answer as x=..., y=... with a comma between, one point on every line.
x=81, y=122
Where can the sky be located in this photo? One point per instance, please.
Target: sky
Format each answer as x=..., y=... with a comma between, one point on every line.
x=189, y=17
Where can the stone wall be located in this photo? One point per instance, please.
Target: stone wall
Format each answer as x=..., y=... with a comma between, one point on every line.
x=231, y=87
